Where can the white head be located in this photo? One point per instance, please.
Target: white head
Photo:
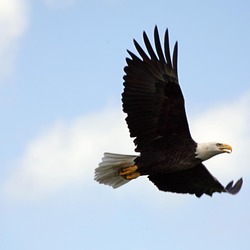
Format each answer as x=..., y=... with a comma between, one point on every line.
x=207, y=150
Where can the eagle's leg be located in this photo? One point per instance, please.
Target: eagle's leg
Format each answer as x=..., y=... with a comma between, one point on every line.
x=130, y=172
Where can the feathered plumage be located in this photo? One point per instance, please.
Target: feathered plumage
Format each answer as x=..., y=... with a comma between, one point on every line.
x=156, y=118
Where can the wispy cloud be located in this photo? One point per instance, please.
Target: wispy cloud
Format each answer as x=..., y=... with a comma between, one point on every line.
x=66, y=154
x=13, y=23
x=228, y=123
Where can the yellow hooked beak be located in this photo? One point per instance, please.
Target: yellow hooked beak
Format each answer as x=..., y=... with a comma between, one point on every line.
x=225, y=148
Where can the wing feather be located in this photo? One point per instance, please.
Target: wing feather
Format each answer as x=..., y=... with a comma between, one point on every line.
x=175, y=53
x=152, y=97
x=158, y=45
x=196, y=180
x=149, y=47
x=167, y=51
x=141, y=52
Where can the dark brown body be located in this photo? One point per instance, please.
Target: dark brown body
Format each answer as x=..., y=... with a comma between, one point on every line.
x=175, y=157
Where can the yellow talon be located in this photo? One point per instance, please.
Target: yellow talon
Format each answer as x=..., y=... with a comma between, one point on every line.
x=128, y=170
x=129, y=173
x=132, y=176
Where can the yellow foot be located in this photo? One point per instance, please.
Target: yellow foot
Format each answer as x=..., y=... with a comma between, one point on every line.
x=130, y=172
x=132, y=176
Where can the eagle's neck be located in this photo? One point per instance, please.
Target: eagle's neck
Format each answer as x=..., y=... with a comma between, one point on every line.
x=206, y=150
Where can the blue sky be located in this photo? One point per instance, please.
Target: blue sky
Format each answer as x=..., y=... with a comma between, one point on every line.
x=60, y=89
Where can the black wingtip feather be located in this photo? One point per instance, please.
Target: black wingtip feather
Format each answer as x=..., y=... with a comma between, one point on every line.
x=175, y=56
x=234, y=189
x=143, y=55
x=158, y=45
x=166, y=47
x=149, y=47
x=133, y=56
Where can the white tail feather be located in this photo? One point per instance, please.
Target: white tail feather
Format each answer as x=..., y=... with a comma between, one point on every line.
x=107, y=172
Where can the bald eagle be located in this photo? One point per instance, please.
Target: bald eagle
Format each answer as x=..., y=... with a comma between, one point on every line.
x=156, y=118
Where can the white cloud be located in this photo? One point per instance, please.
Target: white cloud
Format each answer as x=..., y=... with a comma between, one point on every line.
x=13, y=23
x=228, y=123
x=66, y=154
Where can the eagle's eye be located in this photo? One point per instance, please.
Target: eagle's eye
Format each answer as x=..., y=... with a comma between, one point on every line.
x=218, y=144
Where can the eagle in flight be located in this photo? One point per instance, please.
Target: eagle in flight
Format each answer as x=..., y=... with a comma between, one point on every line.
x=156, y=118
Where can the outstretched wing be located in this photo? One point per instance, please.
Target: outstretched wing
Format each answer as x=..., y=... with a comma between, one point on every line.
x=196, y=180
x=152, y=96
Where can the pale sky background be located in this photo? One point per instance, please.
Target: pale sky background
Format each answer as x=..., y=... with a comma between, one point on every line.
x=61, y=68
